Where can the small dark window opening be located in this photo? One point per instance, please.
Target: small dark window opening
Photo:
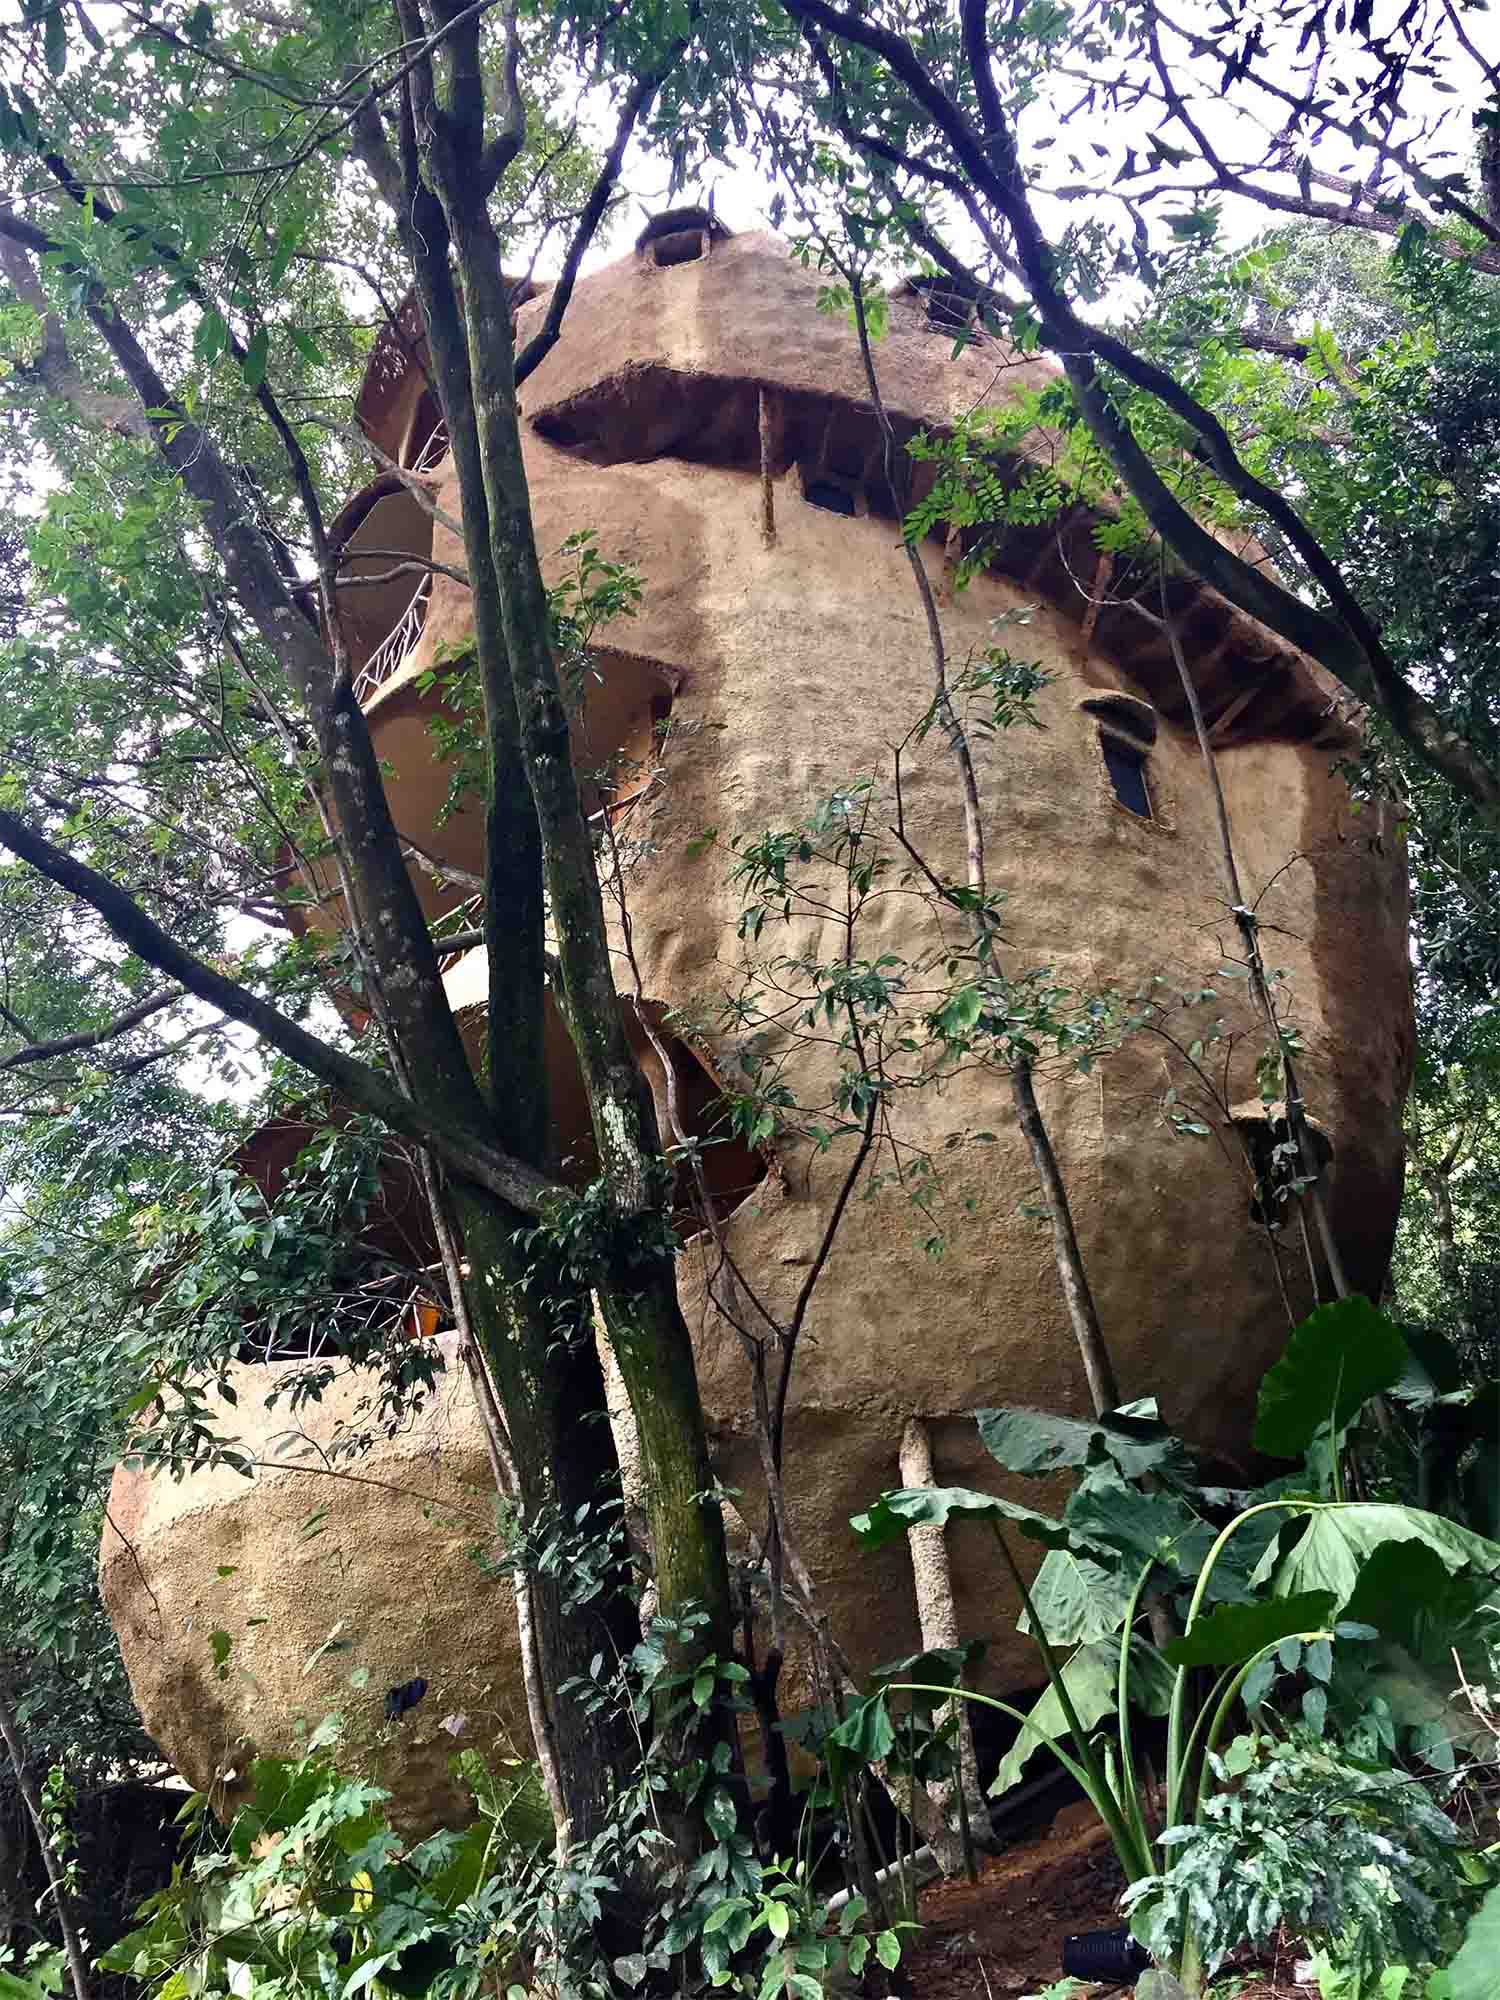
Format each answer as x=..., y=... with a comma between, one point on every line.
x=684, y=246
x=947, y=306
x=1277, y=1165
x=1126, y=765
x=948, y=311
x=833, y=499
x=681, y=235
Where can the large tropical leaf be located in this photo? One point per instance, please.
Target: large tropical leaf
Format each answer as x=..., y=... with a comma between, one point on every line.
x=1338, y=1358
x=1338, y=1541
x=1092, y=1681
x=1427, y=1617
x=1078, y=1600
x=1140, y=1527
x=917, y=1506
x=1475, y=1973
x=1231, y=1634
x=1036, y=1441
x=1434, y=1367
x=1411, y=1596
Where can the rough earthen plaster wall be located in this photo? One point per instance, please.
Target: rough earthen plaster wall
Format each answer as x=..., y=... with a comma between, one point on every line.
x=796, y=667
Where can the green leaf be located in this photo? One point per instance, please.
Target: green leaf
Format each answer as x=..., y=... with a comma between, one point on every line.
x=944, y=1664
x=916, y=1506
x=1416, y=1604
x=851, y=1913
x=864, y=1736
x=722, y=1914
x=210, y=336
x=1092, y=1680
x=859, y=1951
x=1142, y=1527
x=1078, y=1601
x=140, y=1399
x=1434, y=1368
x=1231, y=1634
x=1338, y=1541
x=960, y=1011
x=1338, y=1358
x=1035, y=1441
x=308, y=348
x=253, y=367
x=55, y=40
x=1159, y=1984
x=888, y=1950
x=1475, y=1973
x=778, y=1919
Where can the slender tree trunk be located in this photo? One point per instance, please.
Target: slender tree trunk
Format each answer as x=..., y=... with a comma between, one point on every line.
x=937, y=1617
x=1077, y=1293
x=535, y=1334
x=1449, y=1259
x=635, y=1278
x=72, y=1943
x=507, y=1484
x=1083, y=1314
x=538, y=1341
x=1249, y=929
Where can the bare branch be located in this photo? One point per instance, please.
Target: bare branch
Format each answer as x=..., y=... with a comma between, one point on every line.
x=637, y=103
x=465, y=1153
x=92, y=1038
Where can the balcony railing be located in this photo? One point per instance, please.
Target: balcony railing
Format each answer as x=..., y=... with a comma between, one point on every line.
x=436, y=448
x=397, y=643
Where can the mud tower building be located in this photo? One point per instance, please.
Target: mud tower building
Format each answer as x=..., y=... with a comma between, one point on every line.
x=711, y=426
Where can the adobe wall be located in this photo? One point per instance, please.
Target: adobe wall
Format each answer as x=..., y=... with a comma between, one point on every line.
x=331, y=1589
x=795, y=666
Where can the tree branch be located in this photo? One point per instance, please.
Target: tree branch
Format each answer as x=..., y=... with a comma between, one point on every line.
x=637, y=103
x=91, y=1038
x=1348, y=642
x=54, y=367
x=461, y=1150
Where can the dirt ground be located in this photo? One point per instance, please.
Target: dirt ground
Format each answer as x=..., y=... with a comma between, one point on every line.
x=1001, y=1938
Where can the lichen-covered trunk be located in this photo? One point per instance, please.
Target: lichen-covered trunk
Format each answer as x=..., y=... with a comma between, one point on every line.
x=635, y=1279
x=539, y=1344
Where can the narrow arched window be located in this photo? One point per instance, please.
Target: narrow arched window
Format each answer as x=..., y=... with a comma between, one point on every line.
x=1125, y=763
x=1127, y=730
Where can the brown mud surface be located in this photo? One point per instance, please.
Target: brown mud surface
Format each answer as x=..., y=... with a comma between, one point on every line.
x=1001, y=1938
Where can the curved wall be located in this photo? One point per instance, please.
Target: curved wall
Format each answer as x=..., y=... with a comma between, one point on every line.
x=794, y=664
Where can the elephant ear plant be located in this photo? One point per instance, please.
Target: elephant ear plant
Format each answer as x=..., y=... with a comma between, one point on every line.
x=1291, y=1577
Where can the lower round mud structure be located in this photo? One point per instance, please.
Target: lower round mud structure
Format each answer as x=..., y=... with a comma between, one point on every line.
x=711, y=427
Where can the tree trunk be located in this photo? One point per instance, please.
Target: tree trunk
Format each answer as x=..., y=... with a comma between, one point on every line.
x=634, y=1276
x=937, y=1618
x=72, y=1943
x=538, y=1342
